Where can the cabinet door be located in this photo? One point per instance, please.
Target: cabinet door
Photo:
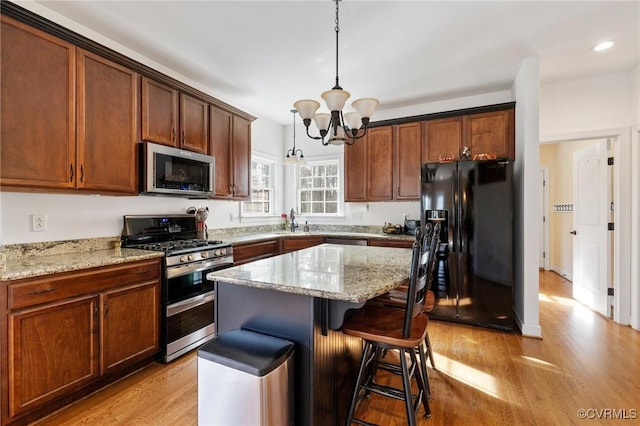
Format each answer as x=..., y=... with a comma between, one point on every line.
x=241, y=155
x=220, y=131
x=355, y=170
x=159, y=113
x=53, y=350
x=131, y=324
x=490, y=132
x=299, y=243
x=407, y=141
x=248, y=252
x=441, y=136
x=380, y=163
x=194, y=124
x=38, y=108
x=107, y=125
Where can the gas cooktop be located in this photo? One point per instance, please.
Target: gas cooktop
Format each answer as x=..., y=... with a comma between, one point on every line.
x=171, y=234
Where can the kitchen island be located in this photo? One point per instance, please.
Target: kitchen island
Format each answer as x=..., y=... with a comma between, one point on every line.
x=303, y=296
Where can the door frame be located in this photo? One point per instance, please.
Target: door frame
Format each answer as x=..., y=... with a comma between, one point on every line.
x=624, y=310
x=546, y=263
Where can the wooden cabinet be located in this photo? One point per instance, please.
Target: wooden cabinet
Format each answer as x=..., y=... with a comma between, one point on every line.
x=69, y=117
x=254, y=250
x=298, y=243
x=379, y=242
x=483, y=133
x=107, y=126
x=53, y=350
x=369, y=166
x=407, y=147
x=490, y=132
x=231, y=146
x=136, y=304
x=173, y=118
x=38, y=108
x=442, y=136
x=66, y=332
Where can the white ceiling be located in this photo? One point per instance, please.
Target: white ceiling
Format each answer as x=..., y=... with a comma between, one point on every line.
x=261, y=56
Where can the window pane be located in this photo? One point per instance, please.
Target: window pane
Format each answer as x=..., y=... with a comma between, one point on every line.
x=318, y=182
x=305, y=171
x=331, y=195
x=305, y=208
x=332, y=170
x=331, y=207
x=317, y=208
x=306, y=183
x=317, y=195
x=332, y=182
x=318, y=188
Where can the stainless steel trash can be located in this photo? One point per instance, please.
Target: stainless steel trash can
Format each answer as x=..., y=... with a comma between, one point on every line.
x=245, y=378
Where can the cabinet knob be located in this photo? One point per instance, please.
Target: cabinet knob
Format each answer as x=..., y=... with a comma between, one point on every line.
x=71, y=178
x=81, y=173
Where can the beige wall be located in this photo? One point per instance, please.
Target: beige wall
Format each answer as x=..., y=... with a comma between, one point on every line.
x=559, y=159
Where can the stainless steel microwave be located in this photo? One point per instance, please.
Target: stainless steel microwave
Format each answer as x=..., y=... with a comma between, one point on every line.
x=172, y=171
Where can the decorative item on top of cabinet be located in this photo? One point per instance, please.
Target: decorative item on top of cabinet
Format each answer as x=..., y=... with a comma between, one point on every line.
x=172, y=118
x=231, y=147
x=43, y=146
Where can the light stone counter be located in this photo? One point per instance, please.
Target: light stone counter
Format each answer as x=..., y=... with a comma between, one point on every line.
x=330, y=271
x=33, y=266
x=242, y=238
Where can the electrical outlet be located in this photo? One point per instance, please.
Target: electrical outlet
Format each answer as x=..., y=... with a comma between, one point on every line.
x=39, y=222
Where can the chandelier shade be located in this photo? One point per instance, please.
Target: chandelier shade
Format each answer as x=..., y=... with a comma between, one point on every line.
x=341, y=128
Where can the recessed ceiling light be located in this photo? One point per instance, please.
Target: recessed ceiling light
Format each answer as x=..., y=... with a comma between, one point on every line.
x=603, y=46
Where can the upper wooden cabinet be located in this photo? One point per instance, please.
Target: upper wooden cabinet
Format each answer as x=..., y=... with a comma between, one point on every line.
x=407, y=147
x=107, y=127
x=368, y=166
x=38, y=123
x=483, y=133
x=173, y=118
x=441, y=137
x=384, y=165
x=490, y=132
x=69, y=117
x=231, y=146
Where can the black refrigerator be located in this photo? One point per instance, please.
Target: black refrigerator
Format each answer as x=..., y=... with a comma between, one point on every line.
x=474, y=274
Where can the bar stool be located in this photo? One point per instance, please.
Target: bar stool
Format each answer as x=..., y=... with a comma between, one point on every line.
x=382, y=328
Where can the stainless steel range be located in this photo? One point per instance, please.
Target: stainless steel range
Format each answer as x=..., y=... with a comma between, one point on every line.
x=188, y=297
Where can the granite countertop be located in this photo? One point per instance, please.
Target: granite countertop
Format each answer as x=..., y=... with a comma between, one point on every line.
x=34, y=266
x=330, y=271
x=243, y=238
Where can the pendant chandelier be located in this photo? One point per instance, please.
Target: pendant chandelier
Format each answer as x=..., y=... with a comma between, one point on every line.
x=294, y=156
x=340, y=128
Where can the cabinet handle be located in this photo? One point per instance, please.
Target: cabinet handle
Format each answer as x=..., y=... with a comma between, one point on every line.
x=95, y=311
x=142, y=272
x=44, y=290
x=184, y=138
x=230, y=189
x=173, y=135
x=81, y=173
x=106, y=310
x=71, y=178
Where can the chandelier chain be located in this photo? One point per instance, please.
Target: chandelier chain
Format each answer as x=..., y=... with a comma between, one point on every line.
x=337, y=86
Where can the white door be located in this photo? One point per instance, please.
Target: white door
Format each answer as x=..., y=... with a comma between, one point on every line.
x=590, y=251
x=543, y=197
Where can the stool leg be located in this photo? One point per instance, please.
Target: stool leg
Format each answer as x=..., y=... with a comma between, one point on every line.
x=430, y=352
x=423, y=381
x=354, y=400
x=423, y=367
x=406, y=384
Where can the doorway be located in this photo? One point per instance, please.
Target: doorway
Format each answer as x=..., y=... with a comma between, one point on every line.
x=560, y=213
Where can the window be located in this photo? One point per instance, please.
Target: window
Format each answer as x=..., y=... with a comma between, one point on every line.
x=262, y=194
x=319, y=188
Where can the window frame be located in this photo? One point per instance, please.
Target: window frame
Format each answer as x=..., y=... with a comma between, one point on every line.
x=328, y=160
x=273, y=200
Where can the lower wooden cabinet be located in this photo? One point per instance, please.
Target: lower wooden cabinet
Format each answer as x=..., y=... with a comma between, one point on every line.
x=254, y=250
x=65, y=333
x=391, y=243
x=299, y=243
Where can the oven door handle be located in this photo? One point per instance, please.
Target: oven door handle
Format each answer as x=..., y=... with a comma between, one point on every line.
x=185, y=305
x=178, y=270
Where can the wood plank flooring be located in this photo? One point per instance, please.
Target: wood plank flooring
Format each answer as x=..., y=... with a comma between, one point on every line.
x=483, y=377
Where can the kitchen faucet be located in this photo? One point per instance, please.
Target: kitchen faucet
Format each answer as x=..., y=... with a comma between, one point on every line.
x=293, y=222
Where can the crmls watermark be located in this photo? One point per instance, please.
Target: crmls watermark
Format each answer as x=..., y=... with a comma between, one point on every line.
x=607, y=413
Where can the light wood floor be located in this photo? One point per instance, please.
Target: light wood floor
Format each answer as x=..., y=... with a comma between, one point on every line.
x=483, y=377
